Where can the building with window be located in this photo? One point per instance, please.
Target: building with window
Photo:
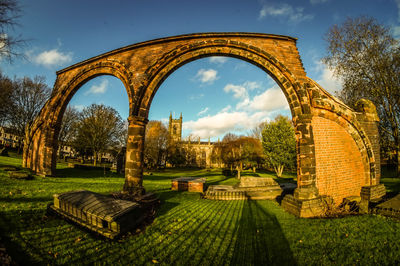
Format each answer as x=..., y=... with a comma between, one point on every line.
x=10, y=138
x=198, y=153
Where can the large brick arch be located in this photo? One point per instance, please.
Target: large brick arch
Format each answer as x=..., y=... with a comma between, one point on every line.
x=288, y=83
x=41, y=157
x=144, y=66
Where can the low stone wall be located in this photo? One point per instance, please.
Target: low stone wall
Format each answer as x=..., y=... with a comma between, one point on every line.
x=255, y=188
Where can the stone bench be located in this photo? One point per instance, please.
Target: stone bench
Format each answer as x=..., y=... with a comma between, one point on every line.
x=191, y=184
x=105, y=215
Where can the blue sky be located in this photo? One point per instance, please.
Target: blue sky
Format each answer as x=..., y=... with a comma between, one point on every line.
x=216, y=95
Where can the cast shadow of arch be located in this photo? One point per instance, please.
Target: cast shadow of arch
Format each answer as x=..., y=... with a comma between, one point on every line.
x=260, y=240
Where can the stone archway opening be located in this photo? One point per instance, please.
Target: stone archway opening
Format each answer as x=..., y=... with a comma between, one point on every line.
x=216, y=95
x=102, y=91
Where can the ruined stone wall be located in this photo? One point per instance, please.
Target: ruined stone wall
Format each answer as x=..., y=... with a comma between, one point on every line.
x=339, y=165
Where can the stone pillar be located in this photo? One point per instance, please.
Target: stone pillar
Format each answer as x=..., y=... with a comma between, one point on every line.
x=40, y=154
x=368, y=118
x=305, y=202
x=134, y=156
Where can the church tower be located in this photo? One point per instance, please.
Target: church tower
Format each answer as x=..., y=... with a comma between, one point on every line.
x=175, y=128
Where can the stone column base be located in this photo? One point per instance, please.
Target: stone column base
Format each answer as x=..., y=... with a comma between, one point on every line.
x=371, y=194
x=305, y=208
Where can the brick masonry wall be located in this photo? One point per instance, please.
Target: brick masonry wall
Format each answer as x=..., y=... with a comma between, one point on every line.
x=339, y=166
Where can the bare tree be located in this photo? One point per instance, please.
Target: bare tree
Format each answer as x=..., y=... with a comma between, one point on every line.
x=9, y=14
x=367, y=58
x=256, y=132
x=67, y=132
x=27, y=99
x=6, y=90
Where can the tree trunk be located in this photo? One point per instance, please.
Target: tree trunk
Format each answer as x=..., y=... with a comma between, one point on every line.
x=278, y=170
x=94, y=158
x=397, y=160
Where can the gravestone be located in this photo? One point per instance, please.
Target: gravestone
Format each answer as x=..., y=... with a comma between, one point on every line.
x=105, y=215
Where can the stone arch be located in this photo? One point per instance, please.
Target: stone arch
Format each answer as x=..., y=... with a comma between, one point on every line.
x=184, y=54
x=44, y=132
x=142, y=67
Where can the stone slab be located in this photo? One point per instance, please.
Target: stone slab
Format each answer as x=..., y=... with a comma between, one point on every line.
x=248, y=181
x=105, y=215
x=249, y=189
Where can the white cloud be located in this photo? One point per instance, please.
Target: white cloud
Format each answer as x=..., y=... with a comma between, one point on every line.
x=202, y=112
x=242, y=91
x=226, y=109
x=248, y=112
x=270, y=100
x=196, y=97
x=52, y=58
x=239, y=91
x=224, y=122
x=78, y=107
x=207, y=75
x=251, y=85
x=285, y=11
x=98, y=89
x=327, y=80
x=218, y=59
x=313, y=2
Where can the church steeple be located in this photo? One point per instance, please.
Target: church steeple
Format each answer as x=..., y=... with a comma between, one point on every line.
x=175, y=128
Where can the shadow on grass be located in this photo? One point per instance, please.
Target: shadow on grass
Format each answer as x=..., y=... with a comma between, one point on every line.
x=12, y=224
x=249, y=174
x=82, y=173
x=163, y=175
x=260, y=240
x=285, y=180
x=25, y=199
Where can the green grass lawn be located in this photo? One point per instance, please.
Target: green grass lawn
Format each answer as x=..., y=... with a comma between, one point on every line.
x=187, y=230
